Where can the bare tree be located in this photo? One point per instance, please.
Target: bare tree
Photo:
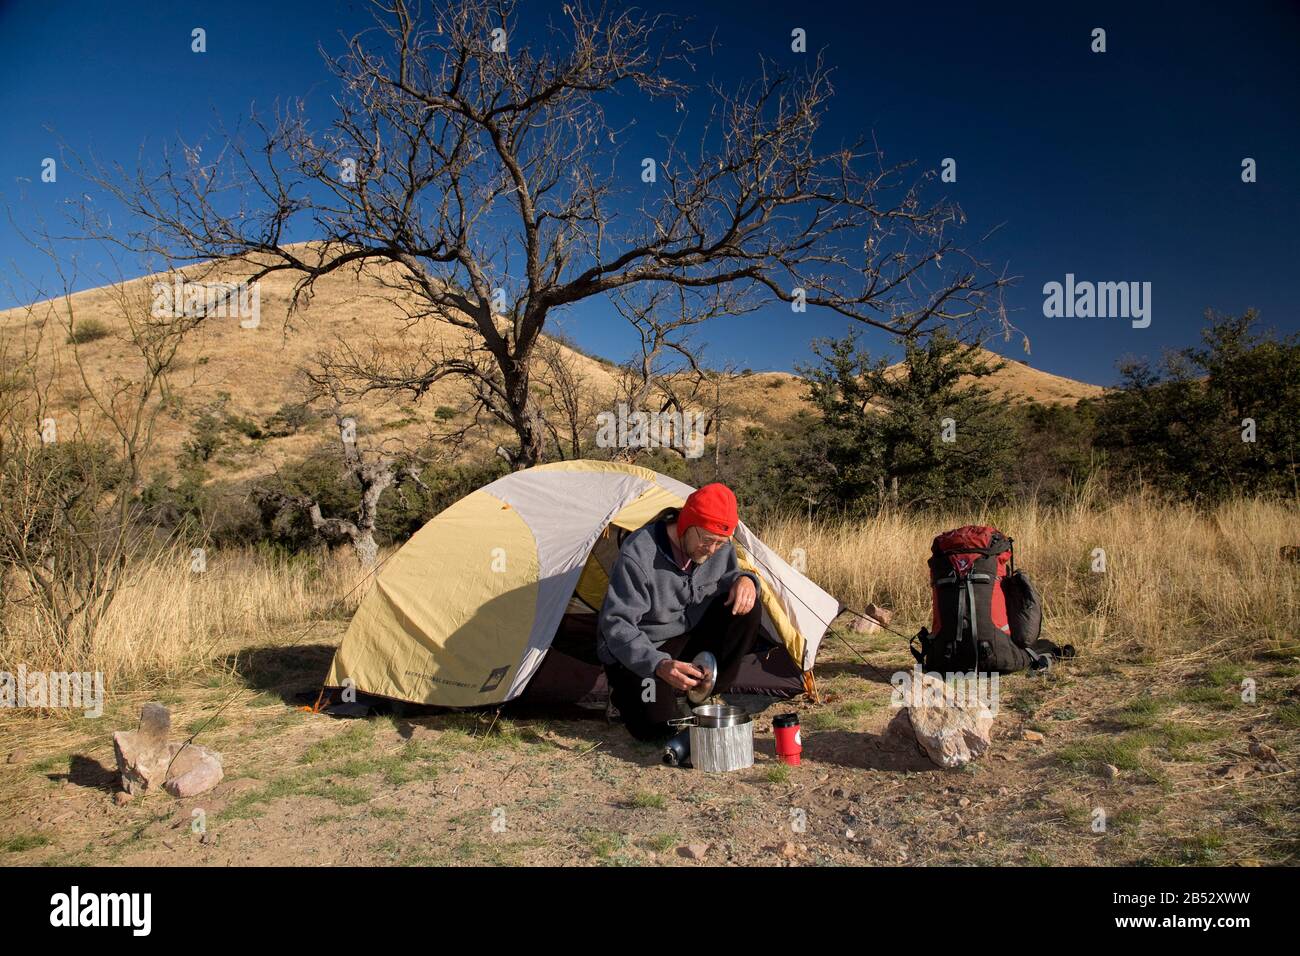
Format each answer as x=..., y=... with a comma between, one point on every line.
x=373, y=470
x=72, y=458
x=667, y=374
x=489, y=172
x=570, y=405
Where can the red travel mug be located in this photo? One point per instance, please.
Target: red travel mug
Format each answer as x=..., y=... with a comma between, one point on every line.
x=789, y=745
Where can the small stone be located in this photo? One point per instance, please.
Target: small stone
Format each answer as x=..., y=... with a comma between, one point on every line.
x=1031, y=735
x=861, y=625
x=981, y=836
x=964, y=802
x=1003, y=792
x=850, y=834
x=693, y=851
x=122, y=798
x=882, y=614
x=205, y=839
x=788, y=850
x=17, y=756
x=1110, y=771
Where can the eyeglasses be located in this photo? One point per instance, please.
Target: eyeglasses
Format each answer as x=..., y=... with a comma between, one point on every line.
x=709, y=540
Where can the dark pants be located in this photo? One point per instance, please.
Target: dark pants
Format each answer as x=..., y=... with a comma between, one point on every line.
x=728, y=636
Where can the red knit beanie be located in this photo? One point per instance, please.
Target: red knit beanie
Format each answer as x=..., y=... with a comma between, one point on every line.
x=713, y=508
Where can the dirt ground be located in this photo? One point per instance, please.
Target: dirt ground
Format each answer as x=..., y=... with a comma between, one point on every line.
x=1123, y=763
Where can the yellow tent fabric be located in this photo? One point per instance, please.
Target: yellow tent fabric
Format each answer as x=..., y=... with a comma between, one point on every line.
x=463, y=614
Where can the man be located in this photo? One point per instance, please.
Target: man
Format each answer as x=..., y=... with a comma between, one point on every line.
x=676, y=590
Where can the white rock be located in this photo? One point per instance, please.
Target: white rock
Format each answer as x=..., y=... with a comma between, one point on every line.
x=951, y=730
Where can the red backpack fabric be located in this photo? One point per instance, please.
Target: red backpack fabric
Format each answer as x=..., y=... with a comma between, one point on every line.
x=969, y=626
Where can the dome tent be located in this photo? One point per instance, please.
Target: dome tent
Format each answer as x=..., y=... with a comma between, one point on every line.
x=496, y=597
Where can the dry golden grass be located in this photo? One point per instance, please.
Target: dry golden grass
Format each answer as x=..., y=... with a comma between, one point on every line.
x=1177, y=581
x=1178, y=584
x=170, y=621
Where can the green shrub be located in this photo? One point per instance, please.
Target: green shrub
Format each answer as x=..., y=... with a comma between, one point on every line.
x=88, y=330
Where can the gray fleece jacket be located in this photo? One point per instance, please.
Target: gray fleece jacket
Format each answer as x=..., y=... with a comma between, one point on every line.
x=650, y=599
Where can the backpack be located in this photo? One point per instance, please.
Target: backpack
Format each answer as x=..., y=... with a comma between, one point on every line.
x=985, y=615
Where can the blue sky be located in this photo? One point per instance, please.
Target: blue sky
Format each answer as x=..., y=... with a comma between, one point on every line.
x=1122, y=166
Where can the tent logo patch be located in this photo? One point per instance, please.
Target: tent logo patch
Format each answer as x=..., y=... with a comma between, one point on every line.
x=494, y=679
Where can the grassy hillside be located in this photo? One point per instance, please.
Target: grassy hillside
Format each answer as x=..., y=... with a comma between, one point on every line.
x=245, y=376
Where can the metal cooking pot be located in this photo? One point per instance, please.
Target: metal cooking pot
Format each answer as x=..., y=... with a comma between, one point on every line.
x=714, y=715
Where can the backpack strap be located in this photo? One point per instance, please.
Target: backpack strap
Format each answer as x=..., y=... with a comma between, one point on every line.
x=919, y=651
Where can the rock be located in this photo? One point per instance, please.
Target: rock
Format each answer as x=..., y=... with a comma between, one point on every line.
x=17, y=756
x=155, y=723
x=864, y=625
x=1110, y=771
x=122, y=798
x=1263, y=752
x=141, y=762
x=1003, y=792
x=146, y=760
x=788, y=850
x=850, y=834
x=693, y=851
x=861, y=625
x=195, y=770
x=950, y=729
x=1031, y=735
x=964, y=802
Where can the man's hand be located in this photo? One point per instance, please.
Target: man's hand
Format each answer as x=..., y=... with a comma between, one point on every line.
x=679, y=674
x=742, y=595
